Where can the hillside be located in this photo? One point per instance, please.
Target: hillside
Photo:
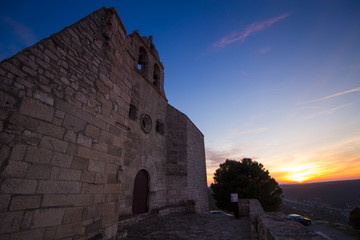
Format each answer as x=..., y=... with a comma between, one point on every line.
x=339, y=194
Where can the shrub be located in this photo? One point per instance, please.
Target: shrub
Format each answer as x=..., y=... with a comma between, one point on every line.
x=354, y=218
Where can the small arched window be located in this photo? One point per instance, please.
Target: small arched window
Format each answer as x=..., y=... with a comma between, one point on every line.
x=156, y=75
x=142, y=60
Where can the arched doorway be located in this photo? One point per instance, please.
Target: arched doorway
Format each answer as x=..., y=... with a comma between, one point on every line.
x=141, y=190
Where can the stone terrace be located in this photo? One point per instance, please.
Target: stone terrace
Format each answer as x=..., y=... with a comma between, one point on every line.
x=189, y=226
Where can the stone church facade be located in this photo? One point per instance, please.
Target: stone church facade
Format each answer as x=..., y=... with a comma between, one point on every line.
x=88, y=137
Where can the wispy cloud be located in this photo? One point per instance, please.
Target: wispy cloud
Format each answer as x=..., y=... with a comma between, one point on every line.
x=25, y=35
x=356, y=66
x=328, y=112
x=330, y=96
x=214, y=157
x=264, y=50
x=250, y=30
x=238, y=132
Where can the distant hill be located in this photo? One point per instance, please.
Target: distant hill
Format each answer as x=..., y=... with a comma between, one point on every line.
x=339, y=194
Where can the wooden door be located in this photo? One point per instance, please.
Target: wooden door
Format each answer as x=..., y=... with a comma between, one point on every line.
x=140, y=195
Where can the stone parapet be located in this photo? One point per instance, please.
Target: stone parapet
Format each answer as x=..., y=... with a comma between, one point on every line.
x=273, y=225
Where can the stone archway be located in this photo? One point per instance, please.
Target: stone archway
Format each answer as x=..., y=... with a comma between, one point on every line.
x=141, y=192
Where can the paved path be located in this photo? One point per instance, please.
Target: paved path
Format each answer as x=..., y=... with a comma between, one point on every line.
x=189, y=227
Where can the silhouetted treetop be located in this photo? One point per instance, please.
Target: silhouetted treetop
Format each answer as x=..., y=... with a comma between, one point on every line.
x=250, y=180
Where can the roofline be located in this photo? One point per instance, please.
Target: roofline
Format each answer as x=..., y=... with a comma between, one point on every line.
x=113, y=10
x=186, y=118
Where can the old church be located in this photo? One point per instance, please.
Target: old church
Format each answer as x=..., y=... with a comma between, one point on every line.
x=88, y=136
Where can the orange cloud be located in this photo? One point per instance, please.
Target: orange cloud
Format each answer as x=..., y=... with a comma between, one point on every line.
x=337, y=162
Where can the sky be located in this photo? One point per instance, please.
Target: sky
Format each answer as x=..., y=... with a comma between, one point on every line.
x=276, y=81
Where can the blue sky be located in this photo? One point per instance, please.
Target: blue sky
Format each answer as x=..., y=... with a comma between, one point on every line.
x=277, y=81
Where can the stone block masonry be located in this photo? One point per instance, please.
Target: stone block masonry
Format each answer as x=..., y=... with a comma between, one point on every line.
x=82, y=113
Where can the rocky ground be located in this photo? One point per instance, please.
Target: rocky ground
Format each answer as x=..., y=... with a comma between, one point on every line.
x=329, y=224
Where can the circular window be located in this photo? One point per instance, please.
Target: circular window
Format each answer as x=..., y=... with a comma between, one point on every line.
x=146, y=123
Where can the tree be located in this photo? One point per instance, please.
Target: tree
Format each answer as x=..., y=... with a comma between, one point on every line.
x=354, y=218
x=250, y=180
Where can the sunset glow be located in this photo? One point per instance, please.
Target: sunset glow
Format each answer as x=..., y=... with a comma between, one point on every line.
x=299, y=175
x=316, y=165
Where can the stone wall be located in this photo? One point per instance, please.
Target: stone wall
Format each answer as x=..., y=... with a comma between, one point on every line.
x=82, y=112
x=196, y=168
x=176, y=164
x=185, y=168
